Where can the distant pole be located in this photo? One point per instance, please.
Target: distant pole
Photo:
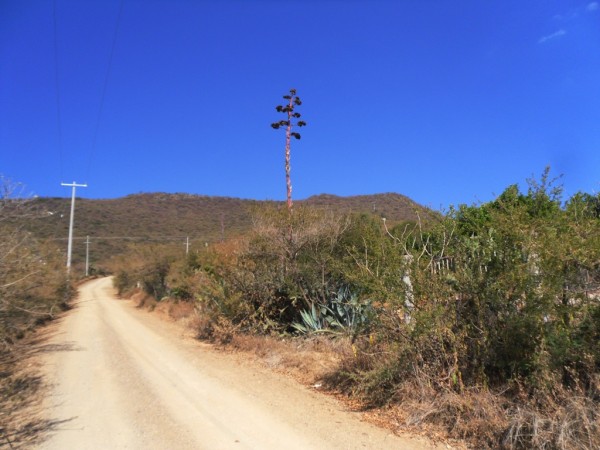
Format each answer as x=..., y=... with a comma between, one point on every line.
x=70, y=245
x=87, y=256
x=222, y=228
x=187, y=245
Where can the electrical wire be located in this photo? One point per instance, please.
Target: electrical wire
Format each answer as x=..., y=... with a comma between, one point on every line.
x=56, y=79
x=103, y=95
x=130, y=238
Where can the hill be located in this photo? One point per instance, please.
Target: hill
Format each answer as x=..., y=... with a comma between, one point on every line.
x=394, y=207
x=159, y=217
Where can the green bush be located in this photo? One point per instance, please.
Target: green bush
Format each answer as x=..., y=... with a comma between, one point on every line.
x=497, y=297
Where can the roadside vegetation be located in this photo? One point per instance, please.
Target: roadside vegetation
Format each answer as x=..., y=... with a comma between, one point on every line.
x=483, y=322
x=33, y=283
x=33, y=289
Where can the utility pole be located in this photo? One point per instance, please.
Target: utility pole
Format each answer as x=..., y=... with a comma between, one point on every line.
x=222, y=228
x=187, y=245
x=70, y=246
x=87, y=256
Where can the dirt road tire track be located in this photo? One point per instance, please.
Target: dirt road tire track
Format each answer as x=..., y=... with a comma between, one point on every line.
x=121, y=379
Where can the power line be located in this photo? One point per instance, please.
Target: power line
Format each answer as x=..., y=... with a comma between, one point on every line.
x=103, y=95
x=131, y=238
x=56, y=79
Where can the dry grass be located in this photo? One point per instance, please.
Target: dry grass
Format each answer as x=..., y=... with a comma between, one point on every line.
x=18, y=390
x=573, y=422
x=508, y=418
x=307, y=360
x=217, y=330
x=21, y=395
x=141, y=299
x=181, y=310
x=475, y=416
x=483, y=419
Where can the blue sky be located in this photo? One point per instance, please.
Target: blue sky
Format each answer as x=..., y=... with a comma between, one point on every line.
x=446, y=102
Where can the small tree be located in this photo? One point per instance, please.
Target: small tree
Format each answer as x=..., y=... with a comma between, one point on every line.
x=293, y=101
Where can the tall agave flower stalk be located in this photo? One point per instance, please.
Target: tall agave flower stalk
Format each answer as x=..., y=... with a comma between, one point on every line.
x=288, y=109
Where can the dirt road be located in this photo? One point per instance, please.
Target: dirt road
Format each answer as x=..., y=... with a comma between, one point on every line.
x=122, y=378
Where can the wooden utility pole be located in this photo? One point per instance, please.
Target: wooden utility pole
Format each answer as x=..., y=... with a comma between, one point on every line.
x=87, y=256
x=71, y=221
x=222, y=227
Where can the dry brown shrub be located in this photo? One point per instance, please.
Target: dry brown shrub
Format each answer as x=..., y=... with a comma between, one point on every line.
x=227, y=252
x=217, y=330
x=573, y=422
x=180, y=310
x=512, y=418
x=476, y=415
x=562, y=420
x=202, y=326
x=142, y=300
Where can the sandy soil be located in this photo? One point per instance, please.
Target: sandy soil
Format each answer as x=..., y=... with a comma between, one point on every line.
x=121, y=378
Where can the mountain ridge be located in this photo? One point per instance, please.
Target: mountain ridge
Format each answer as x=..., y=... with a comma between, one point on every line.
x=201, y=218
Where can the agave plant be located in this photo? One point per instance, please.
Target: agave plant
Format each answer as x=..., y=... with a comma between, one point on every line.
x=344, y=313
x=351, y=312
x=313, y=320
